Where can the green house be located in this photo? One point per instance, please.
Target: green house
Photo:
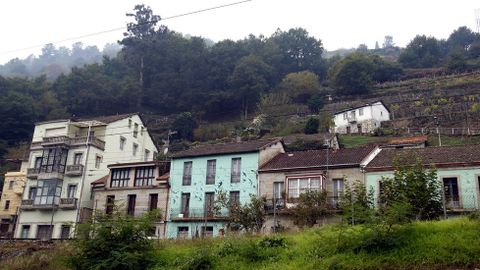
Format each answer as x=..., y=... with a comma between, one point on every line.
x=200, y=174
x=458, y=171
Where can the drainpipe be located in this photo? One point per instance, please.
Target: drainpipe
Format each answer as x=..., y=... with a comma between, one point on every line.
x=79, y=203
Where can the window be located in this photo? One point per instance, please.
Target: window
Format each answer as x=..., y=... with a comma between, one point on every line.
x=381, y=113
x=144, y=176
x=129, y=123
x=146, y=156
x=185, y=204
x=44, y=232
x=71, y=191
x=109, y=205
x=135, y=130
x=208, y=207
x=450, y=188
x=98, y=161
x=7, y=204
x=236, y=168
x=77, y=158
x=207, y=231
x=135, y=149
x=153, y=202
x=25, y=231
x=211, y=167
x=141, y=131
x=120, y=177
x=54, y=160
x=38, y=163
x=122, y=142
x=32, y=193
x=182, y=233
x=278, y=190
x=131, y=204
x=65, y=233
x=10, y=184
x=344, y=116
x=352, y=113
x=360, y=111
x=297, y=186
x=187, y=173
x=234, y=198
x=338, y=187
x=48, y=192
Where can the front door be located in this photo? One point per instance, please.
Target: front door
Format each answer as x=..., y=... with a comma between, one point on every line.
x=450, y=188
x=359, y=128
x=348, y=130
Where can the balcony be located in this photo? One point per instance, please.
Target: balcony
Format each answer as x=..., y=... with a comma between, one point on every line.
x=352, y=119
x=68, y=203
x=74, y=170
x=33, y=173
x=196, y=214
x=282, y=206
x=29, y=205
x=67, y=141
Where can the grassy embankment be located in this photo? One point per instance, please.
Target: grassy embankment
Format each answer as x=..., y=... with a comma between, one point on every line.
x=449, y=244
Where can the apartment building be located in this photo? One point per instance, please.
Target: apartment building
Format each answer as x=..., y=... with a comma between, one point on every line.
x=136, y=188
x=65, y=157
x=198, y=175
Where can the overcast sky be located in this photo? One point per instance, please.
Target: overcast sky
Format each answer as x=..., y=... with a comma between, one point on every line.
x=338, y=23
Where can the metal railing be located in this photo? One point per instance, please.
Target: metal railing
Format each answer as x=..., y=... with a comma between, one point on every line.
x=68, y=203
x=58, y=140
x=271, y=205
x=76, y=169
x=197, y=213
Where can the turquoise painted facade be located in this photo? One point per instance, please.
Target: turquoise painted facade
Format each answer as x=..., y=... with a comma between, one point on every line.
x=247, y=185
x=468, y=184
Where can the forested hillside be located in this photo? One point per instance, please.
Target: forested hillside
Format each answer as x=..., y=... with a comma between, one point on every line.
x=162, y=73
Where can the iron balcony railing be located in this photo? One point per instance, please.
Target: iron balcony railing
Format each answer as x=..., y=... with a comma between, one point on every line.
x=74, y=170
x=68, y=203
x=282, y=205
x=75, y=141
x=197, y=214
x=29, y=204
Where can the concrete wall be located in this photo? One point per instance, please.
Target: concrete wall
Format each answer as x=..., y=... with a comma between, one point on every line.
x=198, y=187
x=468, y=183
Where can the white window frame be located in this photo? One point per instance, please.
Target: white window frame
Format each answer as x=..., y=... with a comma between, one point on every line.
x=298, y=187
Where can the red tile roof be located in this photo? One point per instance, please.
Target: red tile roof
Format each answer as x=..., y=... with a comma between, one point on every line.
x=109, y=118
x=440, y=156
x=225, y=148
x=409, y=140
x=101, y=181
x=347, y=157
x=165, y=176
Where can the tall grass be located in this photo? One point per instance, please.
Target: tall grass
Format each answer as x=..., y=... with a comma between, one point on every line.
x=449, y=244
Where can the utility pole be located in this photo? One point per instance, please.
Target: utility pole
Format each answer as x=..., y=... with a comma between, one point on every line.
x=437, y=123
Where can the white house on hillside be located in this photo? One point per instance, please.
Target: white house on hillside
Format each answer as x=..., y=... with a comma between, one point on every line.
x=361, y=119
x=65, y=157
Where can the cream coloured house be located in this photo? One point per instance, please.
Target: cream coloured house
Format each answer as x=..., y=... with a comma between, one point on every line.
x=65, y=157
x=13, y=185
x=362, y=119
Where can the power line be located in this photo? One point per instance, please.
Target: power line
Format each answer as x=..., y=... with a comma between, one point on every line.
x=123, y=27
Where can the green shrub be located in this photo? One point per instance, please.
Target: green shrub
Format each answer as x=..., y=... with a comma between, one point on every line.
x=311, y=127
x=115, y=241
x=271, y=242
x=202, y=259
